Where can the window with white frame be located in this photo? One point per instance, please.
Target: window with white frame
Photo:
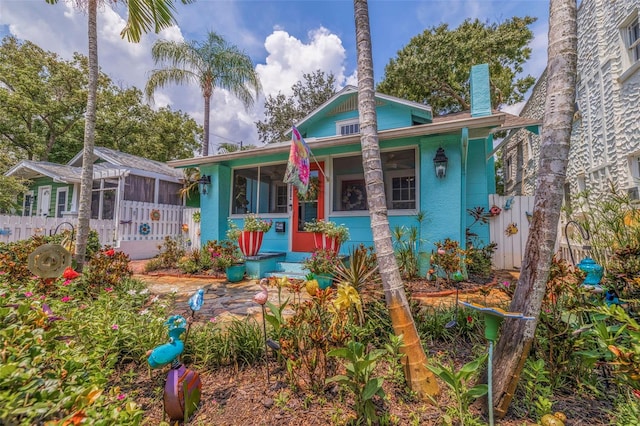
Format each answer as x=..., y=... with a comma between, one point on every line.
x=634, y=169
x=350, y=127
x=581, y=183
x=630, y=45
x=399, y=175
x=259, y=190
x=633, y=40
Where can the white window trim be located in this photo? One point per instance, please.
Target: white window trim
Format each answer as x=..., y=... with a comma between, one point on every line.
x=341, y=123
x=390, y=212
x=64, y=190
x=389, y=187
x=629, y=64
x=262, y=215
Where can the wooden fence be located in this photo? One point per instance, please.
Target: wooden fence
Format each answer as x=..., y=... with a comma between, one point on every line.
x=510, y=229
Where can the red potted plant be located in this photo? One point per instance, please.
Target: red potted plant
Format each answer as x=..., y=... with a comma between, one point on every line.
x=250, y=236
x=327, y=235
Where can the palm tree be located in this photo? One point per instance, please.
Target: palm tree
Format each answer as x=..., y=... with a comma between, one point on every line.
x=141, y=17
x=517, y=336
x=419, y=378
x=212, y=63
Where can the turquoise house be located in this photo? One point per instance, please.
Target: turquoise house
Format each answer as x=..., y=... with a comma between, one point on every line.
x=410, y=138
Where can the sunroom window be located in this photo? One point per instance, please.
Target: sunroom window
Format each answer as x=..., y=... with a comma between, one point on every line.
x=139, y=188
x=259, y=190
x=103, y=199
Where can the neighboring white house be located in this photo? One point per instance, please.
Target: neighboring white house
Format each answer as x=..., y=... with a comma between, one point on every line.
x=605, y=143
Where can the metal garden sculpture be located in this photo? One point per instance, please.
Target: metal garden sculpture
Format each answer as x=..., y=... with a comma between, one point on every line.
x=183, y=386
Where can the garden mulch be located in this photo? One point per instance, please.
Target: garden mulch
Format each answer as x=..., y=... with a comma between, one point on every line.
x=243, y=396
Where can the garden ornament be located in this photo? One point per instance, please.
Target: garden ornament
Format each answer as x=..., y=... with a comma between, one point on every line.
x=494, y=210
x=196, y=301
x=492, y=319
x=49, y=260
x=183, y=386
x=457, y=277
x=261, y=298
x=507, y=205
x=594, y=274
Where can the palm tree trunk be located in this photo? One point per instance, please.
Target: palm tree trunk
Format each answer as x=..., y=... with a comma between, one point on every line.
x=418, y=377
x=86, y=181
x=517, y=336
x=207, y=111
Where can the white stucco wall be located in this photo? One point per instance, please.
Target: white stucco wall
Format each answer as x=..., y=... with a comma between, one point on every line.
x=607, y=130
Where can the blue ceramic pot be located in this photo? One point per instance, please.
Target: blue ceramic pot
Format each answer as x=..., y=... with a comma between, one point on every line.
x=324, y=281
x=235, y=273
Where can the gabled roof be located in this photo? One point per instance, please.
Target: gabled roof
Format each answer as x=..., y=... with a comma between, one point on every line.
x=130, y=161
x=350, y=91
x=30, y=169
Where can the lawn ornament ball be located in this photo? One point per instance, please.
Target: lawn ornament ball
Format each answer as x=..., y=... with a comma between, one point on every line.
x=183, y=386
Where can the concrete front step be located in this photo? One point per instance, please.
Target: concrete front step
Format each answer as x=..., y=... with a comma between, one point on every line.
x=291, y=267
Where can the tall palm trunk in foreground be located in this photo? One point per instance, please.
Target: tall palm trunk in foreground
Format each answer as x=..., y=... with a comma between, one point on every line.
x=516, y=335
x=418, y=377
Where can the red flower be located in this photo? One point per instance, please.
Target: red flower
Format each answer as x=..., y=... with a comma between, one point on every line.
x=636, y=393
x=110, y=252
x=70, y=274
x=469, y=319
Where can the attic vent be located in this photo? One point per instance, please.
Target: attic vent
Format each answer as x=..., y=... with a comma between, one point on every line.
x=633, y=193
x=350, y=104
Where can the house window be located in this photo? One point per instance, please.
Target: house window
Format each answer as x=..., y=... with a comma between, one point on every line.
x=103, y=199
x=61, y=201
x=139, y=188
x=582, y=183
x=633, y=40
x=169, y=193
x=27, y=204
x=259, y=190
x=403, y=192
x=351, y=127
x=509, y=169
x=634, y=168
x=399, y=175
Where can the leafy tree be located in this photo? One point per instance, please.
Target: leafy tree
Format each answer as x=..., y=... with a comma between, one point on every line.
x=9, y=185
x=282, y=112
x=517, y=336
x=418, y=377
x=142, y=15
x=434, y=67
x=210, y=64
x=42, y=98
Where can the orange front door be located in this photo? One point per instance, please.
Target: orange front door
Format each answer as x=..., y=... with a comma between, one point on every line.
x=308, y=209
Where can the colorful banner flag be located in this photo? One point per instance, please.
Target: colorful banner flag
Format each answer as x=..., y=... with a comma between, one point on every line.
x=298, y=165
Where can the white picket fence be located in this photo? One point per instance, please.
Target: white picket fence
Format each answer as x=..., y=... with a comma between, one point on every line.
x=15, y=228
x=126, y=232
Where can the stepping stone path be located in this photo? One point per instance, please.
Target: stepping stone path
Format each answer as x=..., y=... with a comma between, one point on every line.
x=222, y=300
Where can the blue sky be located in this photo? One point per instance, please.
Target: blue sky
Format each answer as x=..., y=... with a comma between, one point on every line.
x=284, y=38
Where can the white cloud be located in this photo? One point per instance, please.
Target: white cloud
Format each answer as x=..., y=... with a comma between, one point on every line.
x=289, y=58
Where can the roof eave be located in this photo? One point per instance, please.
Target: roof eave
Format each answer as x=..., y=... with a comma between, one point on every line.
x=494, y=120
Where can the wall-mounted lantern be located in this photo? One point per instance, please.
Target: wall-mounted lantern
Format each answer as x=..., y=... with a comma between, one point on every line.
x=440, y=163
x=203, y=183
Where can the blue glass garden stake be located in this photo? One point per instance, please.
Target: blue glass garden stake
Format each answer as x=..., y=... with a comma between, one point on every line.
x=492, y=319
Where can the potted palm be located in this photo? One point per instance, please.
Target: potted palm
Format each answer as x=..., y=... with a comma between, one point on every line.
x=227, y=256
x=327, y=235
x=250, y=236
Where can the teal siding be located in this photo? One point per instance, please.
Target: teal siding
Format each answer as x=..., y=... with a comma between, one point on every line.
x=477, y=192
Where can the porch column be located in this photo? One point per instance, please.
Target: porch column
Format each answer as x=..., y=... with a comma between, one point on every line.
x=214, y=205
